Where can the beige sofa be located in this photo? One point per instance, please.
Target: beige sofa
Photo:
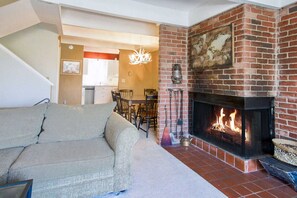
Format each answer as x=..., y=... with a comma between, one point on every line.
x=68, y=151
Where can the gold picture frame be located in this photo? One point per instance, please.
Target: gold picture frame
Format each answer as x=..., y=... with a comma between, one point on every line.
x=71, y=67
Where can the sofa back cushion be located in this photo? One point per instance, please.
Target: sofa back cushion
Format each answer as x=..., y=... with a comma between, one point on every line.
x=20, y=126
x=81, y=122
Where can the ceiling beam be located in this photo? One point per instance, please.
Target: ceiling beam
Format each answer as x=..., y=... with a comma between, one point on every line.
x=129, y=9
x=109, y=36
x=104, y=22
x=102, y=44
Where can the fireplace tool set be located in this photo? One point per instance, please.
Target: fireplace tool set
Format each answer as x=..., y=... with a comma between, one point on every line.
x=177, y=135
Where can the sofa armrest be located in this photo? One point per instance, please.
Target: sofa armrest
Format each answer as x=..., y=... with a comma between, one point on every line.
x=121, y=135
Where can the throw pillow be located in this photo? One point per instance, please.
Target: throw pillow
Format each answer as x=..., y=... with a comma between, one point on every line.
x=68, y=123
x=20, y=126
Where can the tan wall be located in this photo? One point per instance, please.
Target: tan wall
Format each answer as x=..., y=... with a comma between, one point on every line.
x=138, y=77
x=70, y=86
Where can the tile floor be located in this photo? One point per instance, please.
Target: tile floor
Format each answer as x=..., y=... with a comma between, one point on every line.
x=230, y=181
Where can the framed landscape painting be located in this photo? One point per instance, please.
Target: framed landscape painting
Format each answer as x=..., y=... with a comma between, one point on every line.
x=213, y=48
x=71, y=67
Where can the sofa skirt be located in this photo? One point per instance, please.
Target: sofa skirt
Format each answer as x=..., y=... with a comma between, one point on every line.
x=81, y=186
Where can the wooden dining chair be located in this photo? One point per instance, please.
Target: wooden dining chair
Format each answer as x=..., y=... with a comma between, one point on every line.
x=149, y=114
x=126, y=92
x=114, y=99
x=141, y=107
x=150, y=92
x=123, y=109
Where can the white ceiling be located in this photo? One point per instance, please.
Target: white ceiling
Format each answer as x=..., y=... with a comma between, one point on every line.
x=114, y=24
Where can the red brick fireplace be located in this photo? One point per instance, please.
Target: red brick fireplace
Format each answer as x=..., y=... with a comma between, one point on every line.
x=265, y=65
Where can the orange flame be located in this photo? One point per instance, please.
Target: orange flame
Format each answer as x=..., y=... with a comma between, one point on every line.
x=222, y=115
x=232, y=122
x=219, y=125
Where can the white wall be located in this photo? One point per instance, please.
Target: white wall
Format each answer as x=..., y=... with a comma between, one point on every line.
x=20, y=84
x=39, y=47
x=17, y=16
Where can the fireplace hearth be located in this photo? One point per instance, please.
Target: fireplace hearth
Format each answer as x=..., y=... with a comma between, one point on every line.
x=243, y=126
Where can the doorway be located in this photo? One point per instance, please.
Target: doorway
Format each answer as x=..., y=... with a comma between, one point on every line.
x=100, y=76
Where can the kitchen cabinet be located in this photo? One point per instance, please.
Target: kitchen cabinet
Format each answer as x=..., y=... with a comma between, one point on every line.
x=103, y=94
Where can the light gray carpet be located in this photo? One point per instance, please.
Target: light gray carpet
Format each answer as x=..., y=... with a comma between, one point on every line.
x=157, y=174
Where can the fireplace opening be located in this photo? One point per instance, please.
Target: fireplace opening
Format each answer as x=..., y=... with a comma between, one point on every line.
x=243, y=126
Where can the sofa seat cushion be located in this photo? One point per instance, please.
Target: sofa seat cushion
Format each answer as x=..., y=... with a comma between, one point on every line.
x=20, y=126
x=7, y=157
x=62, y=159
x=81, y=122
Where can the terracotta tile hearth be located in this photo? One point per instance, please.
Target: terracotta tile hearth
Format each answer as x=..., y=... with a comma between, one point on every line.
x=243, y=165
x=229, y=180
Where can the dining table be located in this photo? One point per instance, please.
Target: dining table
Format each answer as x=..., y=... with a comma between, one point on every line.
x=132, y=100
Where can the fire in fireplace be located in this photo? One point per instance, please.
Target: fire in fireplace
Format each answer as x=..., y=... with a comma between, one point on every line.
x=243, y=126
x=228, y=126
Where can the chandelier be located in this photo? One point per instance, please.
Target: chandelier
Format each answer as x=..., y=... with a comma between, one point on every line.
x=140, y=57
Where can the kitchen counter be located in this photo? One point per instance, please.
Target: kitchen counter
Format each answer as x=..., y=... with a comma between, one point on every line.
x=103, y=93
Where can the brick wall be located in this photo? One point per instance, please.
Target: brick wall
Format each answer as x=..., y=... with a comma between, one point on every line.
x=253, y=72
x=254, y=69
x=286, y=101
x=265, y=62
x=173, y=49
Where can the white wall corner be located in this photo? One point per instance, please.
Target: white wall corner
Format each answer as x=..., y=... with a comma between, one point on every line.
x=273, y=4
x=287, y=2
x=17, y=16
x=202, y=13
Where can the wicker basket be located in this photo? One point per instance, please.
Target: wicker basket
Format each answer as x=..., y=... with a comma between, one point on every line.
x=285, y=150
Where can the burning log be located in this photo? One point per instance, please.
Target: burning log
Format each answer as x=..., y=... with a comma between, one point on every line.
x=228, y=135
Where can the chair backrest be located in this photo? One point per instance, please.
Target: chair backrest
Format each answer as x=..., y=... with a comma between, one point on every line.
x=150, y=92
x=126, y=92
x=122, y=105
x=119, y=102
x=151, y=106
x=113, y=95
x=114, y=99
